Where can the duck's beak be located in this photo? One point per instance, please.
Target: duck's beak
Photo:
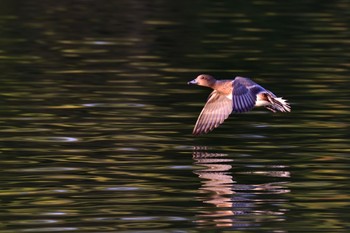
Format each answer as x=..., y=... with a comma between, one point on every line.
x=194, y=81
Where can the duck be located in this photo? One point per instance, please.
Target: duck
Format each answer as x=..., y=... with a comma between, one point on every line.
x=233, y=96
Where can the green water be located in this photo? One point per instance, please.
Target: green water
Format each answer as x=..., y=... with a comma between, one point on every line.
x=96, y=117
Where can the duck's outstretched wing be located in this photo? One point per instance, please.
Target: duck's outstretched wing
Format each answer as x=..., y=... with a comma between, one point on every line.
x=214, y=112
x=244, y=94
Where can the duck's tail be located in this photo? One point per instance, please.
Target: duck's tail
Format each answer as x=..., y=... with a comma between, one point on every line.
x=278, y=104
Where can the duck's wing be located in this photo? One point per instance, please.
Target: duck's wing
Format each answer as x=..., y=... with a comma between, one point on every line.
x=214, y=112
x=244, y=94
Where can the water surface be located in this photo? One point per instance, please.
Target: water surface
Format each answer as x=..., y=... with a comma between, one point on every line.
x=96, y=117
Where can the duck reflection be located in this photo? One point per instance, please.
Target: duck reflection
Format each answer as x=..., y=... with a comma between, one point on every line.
x=236, y=205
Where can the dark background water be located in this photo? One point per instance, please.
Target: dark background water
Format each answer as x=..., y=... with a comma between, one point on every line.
x=96, y=116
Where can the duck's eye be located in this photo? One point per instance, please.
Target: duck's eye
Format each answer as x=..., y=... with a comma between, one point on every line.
x=202, y=77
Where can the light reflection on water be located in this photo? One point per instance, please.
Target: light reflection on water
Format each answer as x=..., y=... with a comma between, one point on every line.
x=236, y=203
x=96, y=117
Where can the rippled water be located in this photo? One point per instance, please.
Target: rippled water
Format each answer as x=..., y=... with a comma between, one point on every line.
x=96, y=117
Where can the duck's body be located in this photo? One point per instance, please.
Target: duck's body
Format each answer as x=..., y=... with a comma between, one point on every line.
x=238, y=95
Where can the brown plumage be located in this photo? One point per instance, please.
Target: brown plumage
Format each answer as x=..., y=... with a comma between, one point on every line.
x=238, y=95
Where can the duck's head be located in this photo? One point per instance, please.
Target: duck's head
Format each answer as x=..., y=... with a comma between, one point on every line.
x=203, y=80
